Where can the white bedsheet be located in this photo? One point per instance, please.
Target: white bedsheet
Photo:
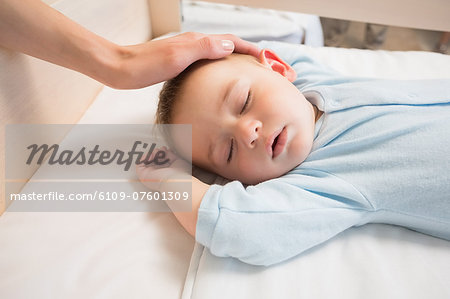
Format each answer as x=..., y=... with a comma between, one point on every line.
x=373, y=261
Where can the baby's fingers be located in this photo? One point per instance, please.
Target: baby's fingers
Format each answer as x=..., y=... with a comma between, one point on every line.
x=170, y=154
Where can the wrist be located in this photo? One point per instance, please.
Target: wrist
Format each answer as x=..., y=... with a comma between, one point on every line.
x=110, y=61
x=92, y=55
x=173, y=180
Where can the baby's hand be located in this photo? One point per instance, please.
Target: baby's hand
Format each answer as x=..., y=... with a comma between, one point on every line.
x=153, y=175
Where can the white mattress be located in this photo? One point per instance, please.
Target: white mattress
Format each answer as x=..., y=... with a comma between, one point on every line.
x=136, y=255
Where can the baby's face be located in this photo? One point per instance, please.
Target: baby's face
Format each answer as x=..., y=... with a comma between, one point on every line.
x=249, y=123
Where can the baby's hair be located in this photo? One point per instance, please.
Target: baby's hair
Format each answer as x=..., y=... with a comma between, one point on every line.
x=171, y=92
x=168, y=97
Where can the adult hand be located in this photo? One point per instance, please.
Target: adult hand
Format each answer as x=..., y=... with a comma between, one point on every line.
x=160, y=60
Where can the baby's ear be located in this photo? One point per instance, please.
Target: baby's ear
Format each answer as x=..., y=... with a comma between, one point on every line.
x=269, y=59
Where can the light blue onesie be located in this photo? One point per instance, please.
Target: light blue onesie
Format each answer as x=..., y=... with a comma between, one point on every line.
x=381, y=154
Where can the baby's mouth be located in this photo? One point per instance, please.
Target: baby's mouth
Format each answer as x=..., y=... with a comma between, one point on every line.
x=279, y=143
x=276, y=142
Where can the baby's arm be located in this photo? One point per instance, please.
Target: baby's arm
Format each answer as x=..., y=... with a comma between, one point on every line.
x=155, y=177
x=189, y=219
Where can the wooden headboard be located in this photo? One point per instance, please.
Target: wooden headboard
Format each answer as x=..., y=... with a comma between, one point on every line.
x=34, y=91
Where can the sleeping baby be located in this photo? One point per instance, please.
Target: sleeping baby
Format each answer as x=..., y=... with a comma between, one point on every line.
x=309, y=153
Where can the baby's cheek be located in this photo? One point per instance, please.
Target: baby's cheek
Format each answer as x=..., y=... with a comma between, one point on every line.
x=251, y=170
x=246, y=164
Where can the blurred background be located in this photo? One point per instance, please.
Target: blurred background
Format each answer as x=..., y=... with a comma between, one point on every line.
x=349, y=34
x=256, y=24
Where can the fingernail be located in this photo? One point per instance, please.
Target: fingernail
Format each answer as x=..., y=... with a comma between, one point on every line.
x=227, y=45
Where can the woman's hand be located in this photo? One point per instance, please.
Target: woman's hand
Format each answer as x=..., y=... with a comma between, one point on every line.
x=160, y=60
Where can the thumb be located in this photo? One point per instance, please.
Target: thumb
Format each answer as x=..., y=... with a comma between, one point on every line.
x=211, y=48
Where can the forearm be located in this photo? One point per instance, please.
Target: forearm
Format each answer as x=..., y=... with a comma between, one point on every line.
x=189, y=219
x=34, y=28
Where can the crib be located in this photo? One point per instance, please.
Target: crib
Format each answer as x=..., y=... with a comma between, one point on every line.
x=136, y=254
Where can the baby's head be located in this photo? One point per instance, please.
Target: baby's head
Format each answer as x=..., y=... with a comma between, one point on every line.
x=249, y=122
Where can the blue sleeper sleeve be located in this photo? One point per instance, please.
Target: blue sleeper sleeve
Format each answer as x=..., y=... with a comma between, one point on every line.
x=277, y=219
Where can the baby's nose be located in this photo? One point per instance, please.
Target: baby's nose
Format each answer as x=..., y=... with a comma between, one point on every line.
x=249, y=132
